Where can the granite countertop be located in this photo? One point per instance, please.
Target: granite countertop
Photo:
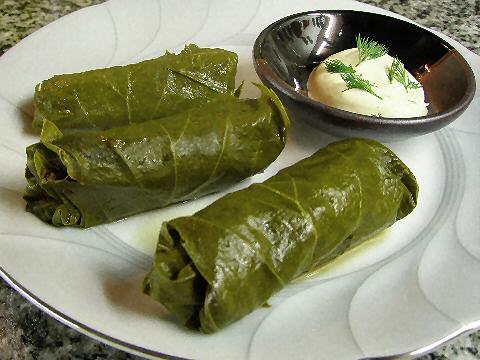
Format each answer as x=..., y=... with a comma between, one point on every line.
x=27, y=333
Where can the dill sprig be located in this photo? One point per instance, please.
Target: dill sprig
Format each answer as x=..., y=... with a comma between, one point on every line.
x=352, y=79
x=355, y=81
x=369, y=49
x=336, y=66
x=395, y=70
x=398, y=72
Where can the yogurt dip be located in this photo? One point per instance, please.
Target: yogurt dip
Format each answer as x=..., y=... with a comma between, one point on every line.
x=396, y=102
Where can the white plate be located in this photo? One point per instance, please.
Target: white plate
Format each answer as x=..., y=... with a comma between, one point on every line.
x=414, y=287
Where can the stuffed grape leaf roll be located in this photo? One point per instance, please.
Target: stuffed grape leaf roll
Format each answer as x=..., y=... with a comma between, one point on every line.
x=87, y=178
x=218, y=265
x=121, y=95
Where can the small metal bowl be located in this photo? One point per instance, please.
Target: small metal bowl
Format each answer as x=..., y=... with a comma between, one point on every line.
x=288, y=50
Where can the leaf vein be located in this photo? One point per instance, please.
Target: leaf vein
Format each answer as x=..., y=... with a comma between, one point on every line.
x=245, y=242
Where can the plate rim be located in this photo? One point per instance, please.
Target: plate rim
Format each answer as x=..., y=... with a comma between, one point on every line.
x=140, y=351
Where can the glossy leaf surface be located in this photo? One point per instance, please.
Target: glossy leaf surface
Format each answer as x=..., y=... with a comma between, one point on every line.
x=218, y=265
x=86, y=178
x=123, y=95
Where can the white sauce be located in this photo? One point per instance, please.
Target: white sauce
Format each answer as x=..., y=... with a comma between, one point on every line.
x=330, y=89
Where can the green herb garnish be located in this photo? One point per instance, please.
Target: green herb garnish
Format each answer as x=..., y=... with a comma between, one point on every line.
x=395, y=70
x=336, y=66
x=398, y=72
x=352, y=79
x=355, y=81
x=369, y=49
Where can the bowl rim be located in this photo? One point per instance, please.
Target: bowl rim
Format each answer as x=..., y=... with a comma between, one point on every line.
x=266, y=73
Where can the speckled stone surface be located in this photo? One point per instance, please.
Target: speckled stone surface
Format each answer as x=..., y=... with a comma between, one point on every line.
x=27, y=333
x=459, y=19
